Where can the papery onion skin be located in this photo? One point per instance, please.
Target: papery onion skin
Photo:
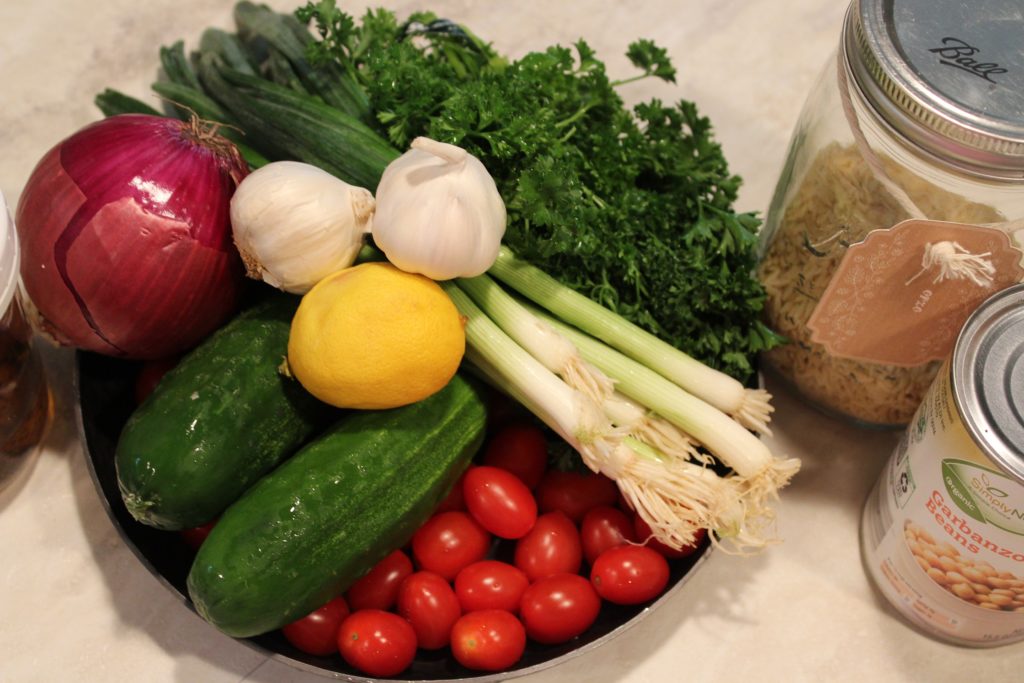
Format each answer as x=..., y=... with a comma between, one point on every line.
x=126, y=237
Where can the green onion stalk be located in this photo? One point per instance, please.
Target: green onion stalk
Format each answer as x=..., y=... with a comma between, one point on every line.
x=626, y=421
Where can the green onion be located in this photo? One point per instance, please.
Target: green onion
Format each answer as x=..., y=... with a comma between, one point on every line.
x=653, y=430
x=575, y=418
x=723, y=436
x=750, y=407
x=553, y=350
x=522, y=352
x=674, y=499
x=561, y=356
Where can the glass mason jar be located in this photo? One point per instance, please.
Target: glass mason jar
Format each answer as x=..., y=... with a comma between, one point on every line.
x=24, y=396
x=922, y=97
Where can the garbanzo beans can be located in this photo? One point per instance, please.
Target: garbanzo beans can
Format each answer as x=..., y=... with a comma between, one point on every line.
x=942, y=533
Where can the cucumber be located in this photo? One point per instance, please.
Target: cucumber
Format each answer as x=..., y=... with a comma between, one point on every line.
x=329, y=81
x=217, y=422
x=177, y=67
x=284, y=124
x=306, y=531
x=112, y=102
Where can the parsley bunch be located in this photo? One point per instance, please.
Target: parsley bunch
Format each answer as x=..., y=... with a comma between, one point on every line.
x=632, y=207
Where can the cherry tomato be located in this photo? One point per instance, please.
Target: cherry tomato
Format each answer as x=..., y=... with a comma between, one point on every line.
x=449, y=541
x=499, y=501
x=629, y=574
x=604, y=527
x=317, y=632
x=574, y=493
x=552, y=547
x=521, y=449
x=490, y=584
x=378, y=588
x=149, y=376
x=558, y=608
x=376, y=642
x=195, y=536
x=643, y=535
x=428, y=602
x=488, y=640
x=455, y=500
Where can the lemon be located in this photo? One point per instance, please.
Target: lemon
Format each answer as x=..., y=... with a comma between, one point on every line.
x=373, y=336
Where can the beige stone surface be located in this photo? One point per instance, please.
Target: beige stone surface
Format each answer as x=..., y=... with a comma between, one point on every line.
x=78, y=606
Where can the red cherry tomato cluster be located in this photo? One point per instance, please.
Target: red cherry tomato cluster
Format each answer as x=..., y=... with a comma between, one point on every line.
x=571, y=542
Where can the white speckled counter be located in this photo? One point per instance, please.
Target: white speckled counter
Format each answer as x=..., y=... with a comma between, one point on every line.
x=78, y=606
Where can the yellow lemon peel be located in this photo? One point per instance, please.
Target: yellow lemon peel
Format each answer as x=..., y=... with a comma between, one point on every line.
x=373, y=336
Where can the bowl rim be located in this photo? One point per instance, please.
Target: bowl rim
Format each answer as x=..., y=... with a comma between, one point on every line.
x=496, y=677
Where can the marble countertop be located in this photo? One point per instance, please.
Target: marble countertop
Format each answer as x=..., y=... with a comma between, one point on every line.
x=78, y=606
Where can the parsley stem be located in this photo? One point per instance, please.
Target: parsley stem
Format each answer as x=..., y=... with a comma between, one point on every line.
x=580, y=113
x=631, y=79
x=598, y=202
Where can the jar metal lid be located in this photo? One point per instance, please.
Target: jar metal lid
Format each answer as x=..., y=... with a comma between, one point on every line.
x=947, y=75
x=988, y=376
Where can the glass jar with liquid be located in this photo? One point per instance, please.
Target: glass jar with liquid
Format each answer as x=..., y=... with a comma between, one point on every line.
x=919, y=115
x=24, y=395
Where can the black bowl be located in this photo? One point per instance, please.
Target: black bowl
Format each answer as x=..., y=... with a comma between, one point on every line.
x=104, y=402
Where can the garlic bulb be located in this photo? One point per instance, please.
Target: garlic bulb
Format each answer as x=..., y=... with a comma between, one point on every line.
x=294, y=224
x=438, y=212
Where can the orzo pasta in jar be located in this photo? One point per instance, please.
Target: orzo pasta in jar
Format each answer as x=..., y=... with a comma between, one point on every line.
x=897, y=127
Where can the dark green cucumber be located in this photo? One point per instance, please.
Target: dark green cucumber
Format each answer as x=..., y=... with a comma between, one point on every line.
x=284, y=124
x=228, y=47
x=307, y=530
x=176, y=66
x=217, y=422
x=331, y=83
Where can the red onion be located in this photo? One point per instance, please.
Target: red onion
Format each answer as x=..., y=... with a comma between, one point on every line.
x=126, y=239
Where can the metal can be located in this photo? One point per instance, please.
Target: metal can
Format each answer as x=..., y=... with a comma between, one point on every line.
x=942, y=532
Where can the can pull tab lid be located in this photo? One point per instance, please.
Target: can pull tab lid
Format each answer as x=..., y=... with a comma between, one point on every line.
x=988, y=368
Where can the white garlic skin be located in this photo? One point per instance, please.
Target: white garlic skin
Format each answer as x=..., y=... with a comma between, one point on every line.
x=294, y=224
x=438, y=212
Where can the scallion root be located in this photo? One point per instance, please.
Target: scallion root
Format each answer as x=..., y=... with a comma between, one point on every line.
x=653, y=430
x=673, y=498
x=755, y=411
x=584, y=377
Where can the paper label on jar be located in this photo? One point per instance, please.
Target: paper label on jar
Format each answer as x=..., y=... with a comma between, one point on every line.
x=900, y=296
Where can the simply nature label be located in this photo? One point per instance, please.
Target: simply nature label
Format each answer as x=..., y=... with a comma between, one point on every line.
x=985, y=495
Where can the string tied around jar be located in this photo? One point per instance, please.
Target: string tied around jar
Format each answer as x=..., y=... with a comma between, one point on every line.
x=955, y=263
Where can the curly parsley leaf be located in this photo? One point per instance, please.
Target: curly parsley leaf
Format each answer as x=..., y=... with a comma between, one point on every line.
x=652, y=60
x=630, y=206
